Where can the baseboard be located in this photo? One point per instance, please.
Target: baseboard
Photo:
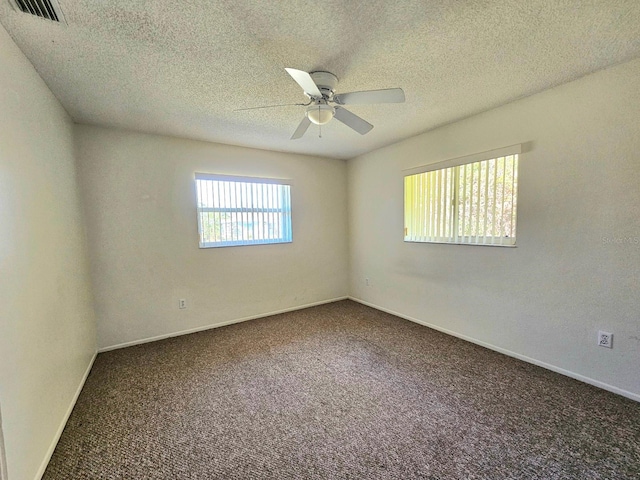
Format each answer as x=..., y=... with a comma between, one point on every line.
x=56, y=438
x=216, y=325
x=553, y=368
x=3, y=457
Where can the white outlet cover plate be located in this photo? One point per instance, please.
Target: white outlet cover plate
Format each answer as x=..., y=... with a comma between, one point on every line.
x=605, y=339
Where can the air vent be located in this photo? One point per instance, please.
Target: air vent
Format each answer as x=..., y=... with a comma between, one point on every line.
x=48, y=9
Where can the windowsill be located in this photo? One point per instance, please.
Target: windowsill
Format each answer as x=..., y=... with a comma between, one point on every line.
x=242, y=244
x=463, y=243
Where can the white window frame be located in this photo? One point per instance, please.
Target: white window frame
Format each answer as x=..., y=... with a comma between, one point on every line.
x=448, y=188
x=264, y=203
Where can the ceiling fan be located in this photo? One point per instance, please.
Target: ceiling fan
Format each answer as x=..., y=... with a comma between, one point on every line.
x=324, y=104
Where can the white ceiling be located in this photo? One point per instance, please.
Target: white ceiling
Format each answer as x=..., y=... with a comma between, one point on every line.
x=181, y=67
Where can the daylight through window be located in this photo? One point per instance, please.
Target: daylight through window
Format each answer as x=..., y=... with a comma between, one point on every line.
x=470, y=203
x=242, y=210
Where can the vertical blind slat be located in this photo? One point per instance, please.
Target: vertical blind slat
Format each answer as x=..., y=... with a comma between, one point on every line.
x=464, y=203
x=418, y=217
x=495, y=200
x=430, y=183
x=218, y=194
x=413, y=198
x=514, y=200
x=438, y=202
x=454, y=205
x=425, y=233
x=452, y=196
x=446, y=203
x=504, y=182
x=422, y=185
x=234, y=215
x=479, y=203
x=486, y=201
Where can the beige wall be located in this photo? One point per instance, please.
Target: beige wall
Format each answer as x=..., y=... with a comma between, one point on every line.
x=47, y=331
x=576, y=268
x=139, y=197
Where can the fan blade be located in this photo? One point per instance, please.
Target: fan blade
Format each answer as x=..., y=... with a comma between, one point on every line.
x=270, y=106
x=389, y=95
x=302, y=128
x=352, y=120
x=305, y=81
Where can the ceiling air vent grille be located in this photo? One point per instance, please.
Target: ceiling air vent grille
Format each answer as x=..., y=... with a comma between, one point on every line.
x=48, y=9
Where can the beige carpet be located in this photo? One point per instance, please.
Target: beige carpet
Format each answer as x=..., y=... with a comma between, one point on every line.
x=339, y=391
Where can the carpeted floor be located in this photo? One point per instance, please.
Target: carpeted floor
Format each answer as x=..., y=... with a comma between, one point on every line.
x=339, y=391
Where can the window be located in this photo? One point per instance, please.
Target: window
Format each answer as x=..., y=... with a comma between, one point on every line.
x=467, y=202
x=242, y=210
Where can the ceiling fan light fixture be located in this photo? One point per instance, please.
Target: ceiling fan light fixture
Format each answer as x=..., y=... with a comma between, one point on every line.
x=320, y=114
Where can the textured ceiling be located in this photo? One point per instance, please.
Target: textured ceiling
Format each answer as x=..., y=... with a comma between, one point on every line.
x=182, y=67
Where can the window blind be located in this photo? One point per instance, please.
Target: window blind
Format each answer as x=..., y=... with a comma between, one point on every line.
x=242, y=210
x=468, y=203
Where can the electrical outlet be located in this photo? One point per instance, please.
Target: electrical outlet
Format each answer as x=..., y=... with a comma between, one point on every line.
x=182, y=303
x=605, y=339
x=366, y=282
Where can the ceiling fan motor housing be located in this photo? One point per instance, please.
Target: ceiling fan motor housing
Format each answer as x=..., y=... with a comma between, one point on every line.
x=326, y=82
